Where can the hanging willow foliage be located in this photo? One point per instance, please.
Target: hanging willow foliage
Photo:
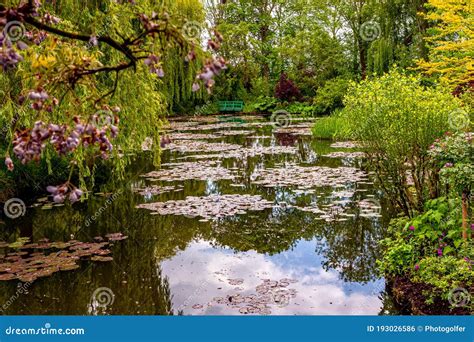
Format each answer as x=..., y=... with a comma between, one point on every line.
x=143, y=98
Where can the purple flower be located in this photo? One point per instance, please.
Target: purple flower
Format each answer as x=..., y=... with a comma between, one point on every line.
x=440, y=252
x=21, y=45
x=9, y=164
x=417, y=267
x=412, y=228
x=75, y=195
x=448, y=165
x=52, y=189
x=93, y=41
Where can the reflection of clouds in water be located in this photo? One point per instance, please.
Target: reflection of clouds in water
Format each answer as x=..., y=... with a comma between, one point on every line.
x=318, y=292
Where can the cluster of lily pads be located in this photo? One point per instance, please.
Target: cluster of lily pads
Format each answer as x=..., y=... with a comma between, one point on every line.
x=307, y=177
x=211, y=207
x=350, y=155
x=345, y=144
x=192, y=136
x=185, y=146
x=31, y=261
x=248, y=152
x=268, y=294
x=203, y=170
x=157, y=190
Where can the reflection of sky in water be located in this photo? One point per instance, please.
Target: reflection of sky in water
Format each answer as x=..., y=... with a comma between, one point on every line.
x=201, y=272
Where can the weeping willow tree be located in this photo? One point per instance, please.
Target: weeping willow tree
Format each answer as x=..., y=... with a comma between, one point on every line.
x=179, y=76
x=400, y=38
x=73, y=70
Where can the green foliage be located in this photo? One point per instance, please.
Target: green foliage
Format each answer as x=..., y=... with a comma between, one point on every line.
x=444, y=275
x=143, y=98
x=331, y=127
x=429, y=248
x=330, y=96
x=455, y=155
x=398, y=120
x=264, y=104
x=300, y=108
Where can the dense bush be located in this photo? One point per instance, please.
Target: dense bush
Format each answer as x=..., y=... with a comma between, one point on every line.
x=300, y=108
x=286, y=90
x=330, y=96
x=398, y=120
x=263, y=104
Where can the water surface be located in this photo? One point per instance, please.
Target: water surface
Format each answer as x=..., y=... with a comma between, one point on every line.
x=180, y=265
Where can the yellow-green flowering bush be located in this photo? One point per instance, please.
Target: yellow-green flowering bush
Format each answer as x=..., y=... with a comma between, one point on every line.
x=397, y=120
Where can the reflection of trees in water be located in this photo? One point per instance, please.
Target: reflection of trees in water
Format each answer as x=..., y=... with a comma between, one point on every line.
x=266, y=232
x=350, y=248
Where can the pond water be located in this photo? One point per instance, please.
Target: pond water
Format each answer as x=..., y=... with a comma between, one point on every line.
x=279, y=223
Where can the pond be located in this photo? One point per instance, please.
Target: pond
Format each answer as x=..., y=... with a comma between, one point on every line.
x=241, y=218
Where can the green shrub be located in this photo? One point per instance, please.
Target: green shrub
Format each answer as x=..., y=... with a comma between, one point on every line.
x=444, y=275
x=330, y=96
x=429, y=249
x=263, y=104
x=455, y=155
x=398, y=120
x=300, y=108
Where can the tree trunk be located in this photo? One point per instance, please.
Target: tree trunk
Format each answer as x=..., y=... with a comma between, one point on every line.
x=362, y=60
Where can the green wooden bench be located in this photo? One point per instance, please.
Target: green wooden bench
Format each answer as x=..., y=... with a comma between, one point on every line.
x=231, y=106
